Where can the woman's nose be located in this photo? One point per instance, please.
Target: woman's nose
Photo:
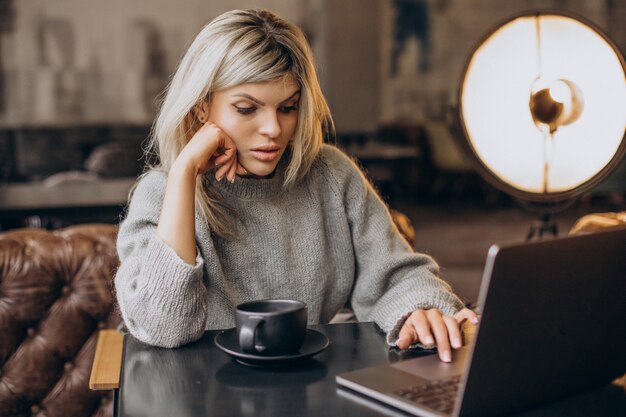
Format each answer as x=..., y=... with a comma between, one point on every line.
x=270, y=126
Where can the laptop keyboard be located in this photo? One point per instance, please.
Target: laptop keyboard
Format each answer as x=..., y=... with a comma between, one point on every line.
x=439, y=395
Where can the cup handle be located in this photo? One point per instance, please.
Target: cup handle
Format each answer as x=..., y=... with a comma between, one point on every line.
x=247, y=335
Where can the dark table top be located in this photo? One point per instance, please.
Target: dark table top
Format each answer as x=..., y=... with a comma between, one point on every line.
x=200, y=380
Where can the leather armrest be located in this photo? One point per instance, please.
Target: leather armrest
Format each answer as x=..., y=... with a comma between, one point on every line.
x=598, y=221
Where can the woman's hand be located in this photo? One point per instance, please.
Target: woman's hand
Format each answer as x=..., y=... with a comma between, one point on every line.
x=430, y=328
x=209, y=147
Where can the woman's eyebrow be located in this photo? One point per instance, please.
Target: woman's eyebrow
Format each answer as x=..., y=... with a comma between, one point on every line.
x=291, y=96
x=259, y=102
x=249, y=97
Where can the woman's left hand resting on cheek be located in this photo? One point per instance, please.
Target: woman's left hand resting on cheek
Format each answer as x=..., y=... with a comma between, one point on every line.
x=430, y=328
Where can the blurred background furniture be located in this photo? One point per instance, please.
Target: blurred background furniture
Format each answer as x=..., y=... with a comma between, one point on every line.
x=62, y=200
x=394, y=158
x=453, y=172
x=56, y=293
x=598, y=221
x=404, y=225
x=69, y=178
x=115, y=160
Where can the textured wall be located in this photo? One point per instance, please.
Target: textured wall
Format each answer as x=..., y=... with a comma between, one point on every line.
x=455, y=26
x=69, y=63
x=94, y=61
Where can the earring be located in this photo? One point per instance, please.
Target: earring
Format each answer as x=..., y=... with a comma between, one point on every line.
x=201, y=119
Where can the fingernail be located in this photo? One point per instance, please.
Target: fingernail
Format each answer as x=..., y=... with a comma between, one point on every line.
x=474, y=320
x=446, y=356
x=232, y=180
x=456, y=343
x=428, y=341
x=219, y=178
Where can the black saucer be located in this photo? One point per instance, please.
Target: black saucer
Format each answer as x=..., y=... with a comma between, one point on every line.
x=314, y=343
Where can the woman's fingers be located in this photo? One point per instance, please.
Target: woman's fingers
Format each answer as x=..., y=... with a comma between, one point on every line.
x=415, y=329
x=226, y=160
x=440, y=330
x=430, y=327
x=221, y=172
x=232, y=171
x=406, y=337
x=209, y=147
x=466, y=314
x=419, y=321
x=453, y=331
x=420, y=327
x=241, y=170
x=221, y=159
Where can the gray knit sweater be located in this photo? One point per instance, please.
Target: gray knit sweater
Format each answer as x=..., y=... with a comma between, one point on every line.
x=325, y=241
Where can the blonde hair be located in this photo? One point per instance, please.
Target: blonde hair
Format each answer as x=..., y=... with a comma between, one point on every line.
x=237, y=47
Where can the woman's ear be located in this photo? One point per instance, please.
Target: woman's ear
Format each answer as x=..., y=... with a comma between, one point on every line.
x=201, y=111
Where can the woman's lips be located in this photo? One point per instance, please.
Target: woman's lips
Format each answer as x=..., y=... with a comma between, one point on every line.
x=265, y=154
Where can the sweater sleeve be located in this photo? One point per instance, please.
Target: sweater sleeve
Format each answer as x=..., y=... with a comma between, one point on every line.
x=391, y=280
x=162, y=298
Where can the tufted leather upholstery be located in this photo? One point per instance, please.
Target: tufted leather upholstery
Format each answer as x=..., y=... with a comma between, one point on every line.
x=55, y=294
x=598, y=221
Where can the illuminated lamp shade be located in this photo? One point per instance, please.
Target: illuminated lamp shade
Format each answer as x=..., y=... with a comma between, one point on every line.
x=542, y=104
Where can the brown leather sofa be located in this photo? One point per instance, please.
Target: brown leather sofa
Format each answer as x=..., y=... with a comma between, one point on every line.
x=56, y=293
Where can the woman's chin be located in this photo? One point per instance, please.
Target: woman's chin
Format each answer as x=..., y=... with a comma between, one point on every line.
x=259, y=170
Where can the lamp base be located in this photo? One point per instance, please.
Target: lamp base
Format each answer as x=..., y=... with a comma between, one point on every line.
x=547, y=210
x=545, y=227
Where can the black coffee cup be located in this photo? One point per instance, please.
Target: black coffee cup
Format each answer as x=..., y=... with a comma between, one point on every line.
x=271, y=327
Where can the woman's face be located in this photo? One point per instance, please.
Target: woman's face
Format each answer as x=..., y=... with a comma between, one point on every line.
x=260, y=118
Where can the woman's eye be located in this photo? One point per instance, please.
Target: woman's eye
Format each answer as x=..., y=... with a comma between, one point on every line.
x=287, y=109
x=245, y=110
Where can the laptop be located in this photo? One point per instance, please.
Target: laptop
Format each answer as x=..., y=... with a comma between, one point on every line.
x=552, y=326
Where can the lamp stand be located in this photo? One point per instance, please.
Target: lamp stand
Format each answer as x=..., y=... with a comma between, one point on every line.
x=543, y=227
x=546, y=225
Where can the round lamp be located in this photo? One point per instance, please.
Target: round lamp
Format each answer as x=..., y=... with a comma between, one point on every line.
x=542, y=104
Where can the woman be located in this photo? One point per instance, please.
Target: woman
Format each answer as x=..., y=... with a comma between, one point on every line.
x=247, y=203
